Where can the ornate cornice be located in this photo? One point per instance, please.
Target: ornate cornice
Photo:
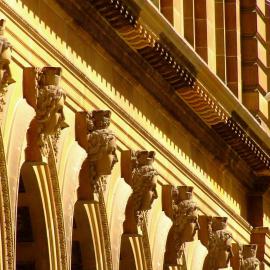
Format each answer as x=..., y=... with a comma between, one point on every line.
x=182, y=78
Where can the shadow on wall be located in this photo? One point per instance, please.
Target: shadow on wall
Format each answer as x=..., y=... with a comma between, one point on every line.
x=82, y=49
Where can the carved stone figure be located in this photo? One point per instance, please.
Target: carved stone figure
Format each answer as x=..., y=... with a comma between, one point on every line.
x=43, y=92
x=249, y=260
x=5, y=59
x=182, y=210
x=94, y=135
x=143, y=181
x=219, y=245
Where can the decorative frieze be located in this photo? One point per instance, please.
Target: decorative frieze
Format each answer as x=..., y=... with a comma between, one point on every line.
x=42, y=91
x=93, y=134
x=5, y=59
x=219, y=244
x=178, y=205
x=139, y=173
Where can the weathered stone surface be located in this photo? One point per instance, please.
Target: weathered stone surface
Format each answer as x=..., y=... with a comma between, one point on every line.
x=138, y=171
x=178, y=204
x=42, y=91
x=5, y=59
x=93, y=134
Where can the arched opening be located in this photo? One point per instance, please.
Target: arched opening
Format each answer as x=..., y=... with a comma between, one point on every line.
x=38, y=242
x=83, y=249
x=127, y=255
x=32, y=250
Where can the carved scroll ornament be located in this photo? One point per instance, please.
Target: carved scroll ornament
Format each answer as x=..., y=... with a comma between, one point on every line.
x=43, y=92
x=5, y=59
x=179, y=206
x=94, y=135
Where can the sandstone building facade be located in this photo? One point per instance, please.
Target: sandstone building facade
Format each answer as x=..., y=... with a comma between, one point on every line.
x=134, y=134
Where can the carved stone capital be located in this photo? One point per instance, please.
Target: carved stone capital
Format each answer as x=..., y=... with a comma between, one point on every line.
x=93, y=134
x=138, y=171
x=5, y=59
x=42, y=91
x=178, y=205
x=219, y=244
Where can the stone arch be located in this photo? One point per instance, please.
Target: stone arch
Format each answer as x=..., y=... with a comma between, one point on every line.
x=33, y=220
x=14, y=126
x=72, y=165
x=163, y=225
x=120, y=192
x=131, y=253
x=83, y=243
x=38, y=220
x=91, y=221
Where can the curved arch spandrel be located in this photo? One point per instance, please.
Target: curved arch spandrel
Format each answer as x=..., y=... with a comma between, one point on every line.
x=162, y=228
x=121, y=194
x=88, y=221
x=72, y=166
x=15, y=148
x=132, y=253
x=39, y=207
x=40, y=175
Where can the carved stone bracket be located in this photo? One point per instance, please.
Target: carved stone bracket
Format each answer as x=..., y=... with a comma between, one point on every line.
x=93, y=134
x=248, y=258
x=218, y=242
x=42, y=92
x=244, y=257
x=138, y=171
x=178, y=205
x=5, y=70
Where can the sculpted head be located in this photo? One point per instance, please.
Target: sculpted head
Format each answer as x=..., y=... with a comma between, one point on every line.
x=185, y=216
x=50, y=101
x=249, y=260
x=220, y=243
x=5, y=58
x=101, y=142
x=144, y=180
